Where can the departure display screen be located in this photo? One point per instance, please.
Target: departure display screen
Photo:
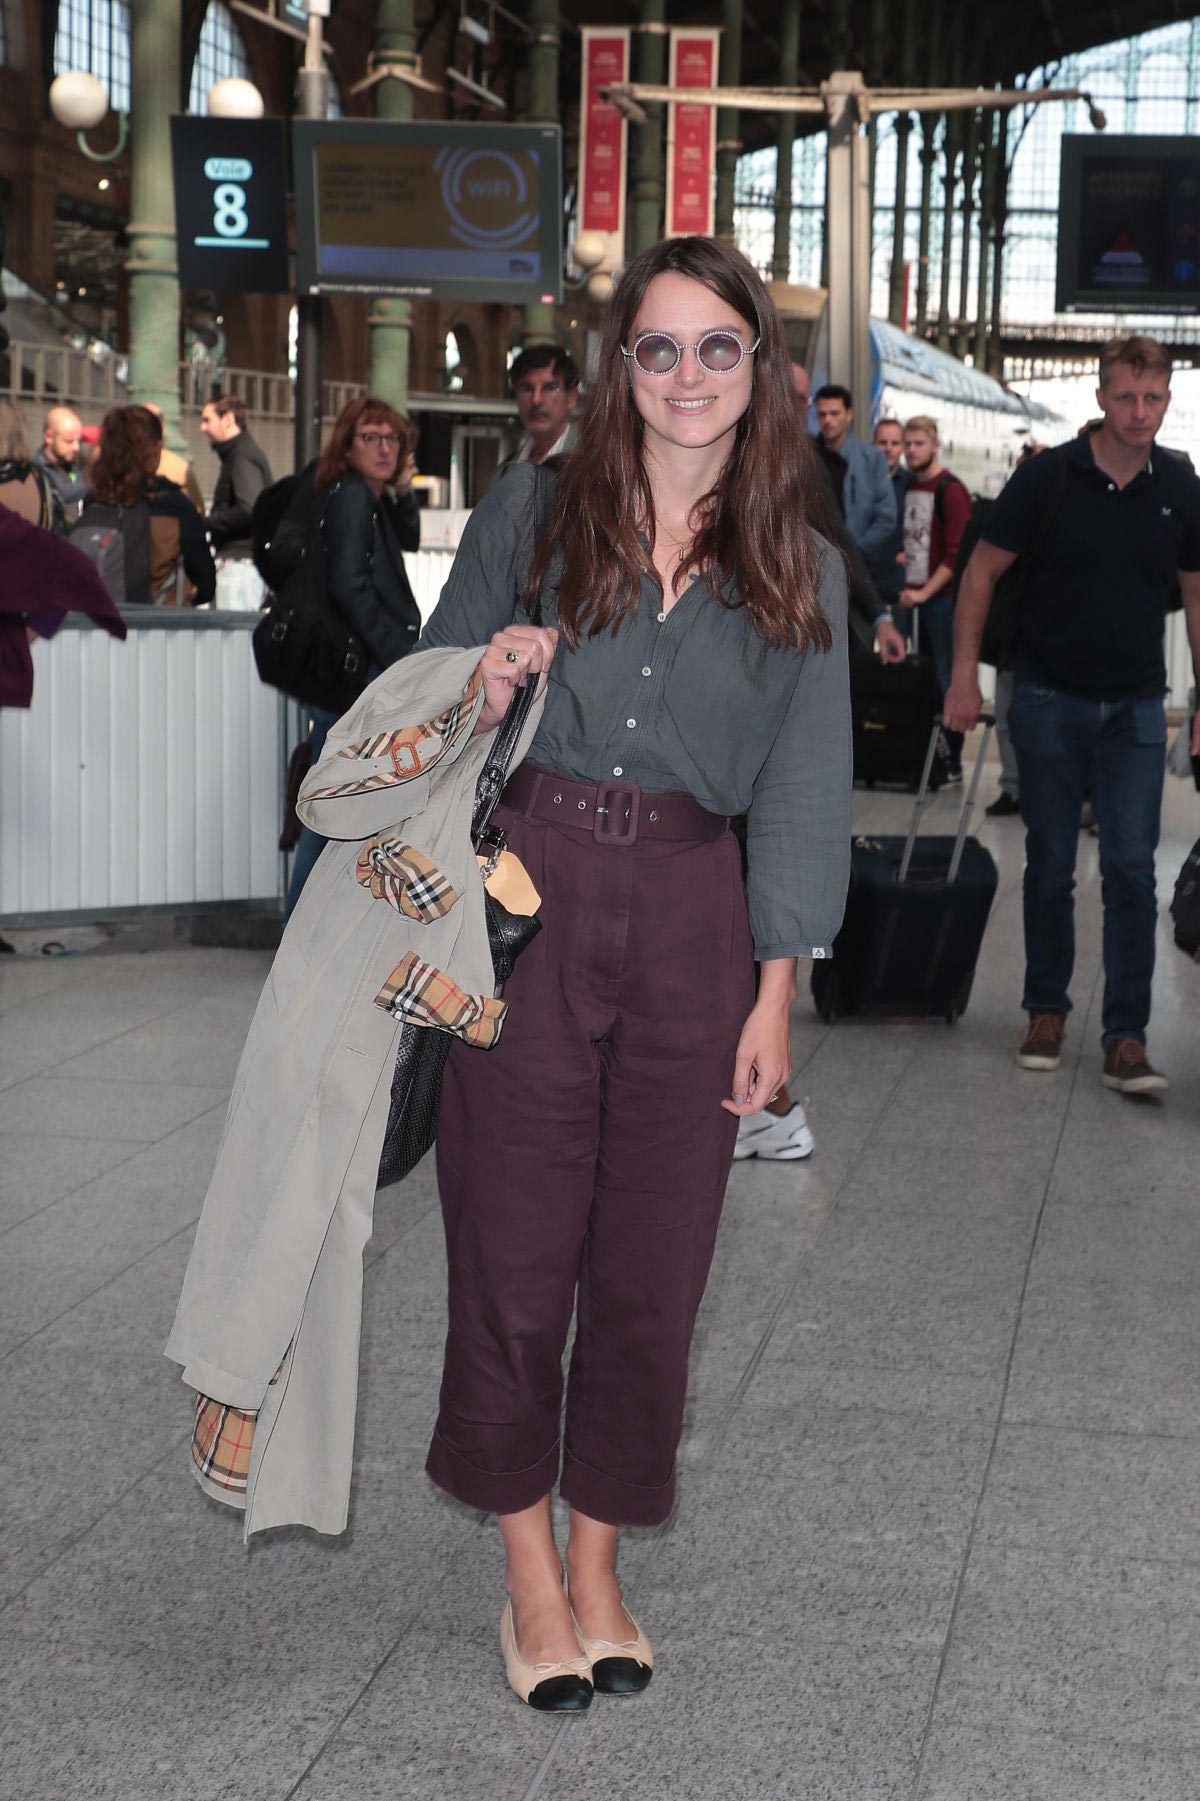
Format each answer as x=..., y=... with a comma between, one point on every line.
x=1129, y=233
x=429, y=210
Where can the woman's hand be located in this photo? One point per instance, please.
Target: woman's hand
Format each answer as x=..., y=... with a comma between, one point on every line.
x=761, y=1067
x=514, y=654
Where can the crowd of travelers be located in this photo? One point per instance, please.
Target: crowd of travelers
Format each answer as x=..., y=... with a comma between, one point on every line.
x=115, y=518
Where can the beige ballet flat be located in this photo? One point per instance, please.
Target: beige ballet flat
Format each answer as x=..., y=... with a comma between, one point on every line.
x=623, y=1669
x=564, y=1687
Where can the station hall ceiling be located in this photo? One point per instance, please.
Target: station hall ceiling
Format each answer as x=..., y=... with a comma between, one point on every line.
x=997, y=43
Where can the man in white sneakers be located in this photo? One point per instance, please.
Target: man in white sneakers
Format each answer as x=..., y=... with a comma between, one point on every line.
x=779, y=1135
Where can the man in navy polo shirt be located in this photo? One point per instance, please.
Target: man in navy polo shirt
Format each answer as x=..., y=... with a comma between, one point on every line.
x=1105, y=548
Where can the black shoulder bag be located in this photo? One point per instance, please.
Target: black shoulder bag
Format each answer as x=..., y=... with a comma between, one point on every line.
x=422, y=1050
x=302, y=645
x=1002, y=627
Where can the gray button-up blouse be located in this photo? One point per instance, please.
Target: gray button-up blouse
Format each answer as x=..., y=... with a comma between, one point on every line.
x=689, y=701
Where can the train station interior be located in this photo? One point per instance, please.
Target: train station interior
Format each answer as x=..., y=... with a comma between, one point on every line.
x=941, y=1443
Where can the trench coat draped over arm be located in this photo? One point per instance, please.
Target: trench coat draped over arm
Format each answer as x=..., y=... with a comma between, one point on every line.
x=274, y=1284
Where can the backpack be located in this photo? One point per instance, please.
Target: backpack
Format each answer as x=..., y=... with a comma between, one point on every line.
x=116, y=542
x=280, y=525
x=301, y=644
x=1003, y=623
x=1185, y=906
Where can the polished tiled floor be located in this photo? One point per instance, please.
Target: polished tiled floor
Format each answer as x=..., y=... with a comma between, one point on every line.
x=937, y=1537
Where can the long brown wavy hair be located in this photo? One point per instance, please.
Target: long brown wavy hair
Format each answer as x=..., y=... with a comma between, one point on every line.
x=751, y=527
x=368, y=409
x=127, y=461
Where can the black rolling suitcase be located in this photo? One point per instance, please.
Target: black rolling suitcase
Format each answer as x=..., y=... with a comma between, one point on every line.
x=892, y=707
x=915, y=918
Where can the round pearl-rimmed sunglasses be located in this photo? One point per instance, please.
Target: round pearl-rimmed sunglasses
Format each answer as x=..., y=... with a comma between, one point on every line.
x=658, y=353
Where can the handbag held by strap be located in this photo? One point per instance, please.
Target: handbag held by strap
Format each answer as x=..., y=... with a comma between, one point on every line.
x=422, y=1050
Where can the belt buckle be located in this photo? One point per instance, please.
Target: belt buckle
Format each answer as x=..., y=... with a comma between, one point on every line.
x=615, y=823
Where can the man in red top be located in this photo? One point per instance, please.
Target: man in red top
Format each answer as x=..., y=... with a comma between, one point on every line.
x=936, y=510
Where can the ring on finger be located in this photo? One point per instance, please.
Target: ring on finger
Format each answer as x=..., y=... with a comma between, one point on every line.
x=510, y=656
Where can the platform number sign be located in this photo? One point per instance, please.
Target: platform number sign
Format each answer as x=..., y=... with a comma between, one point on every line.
x=230, y=204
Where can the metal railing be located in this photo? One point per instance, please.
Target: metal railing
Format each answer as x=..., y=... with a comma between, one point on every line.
x=47, y=374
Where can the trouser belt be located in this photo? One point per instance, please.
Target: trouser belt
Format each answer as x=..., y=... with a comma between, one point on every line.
x=614, y=812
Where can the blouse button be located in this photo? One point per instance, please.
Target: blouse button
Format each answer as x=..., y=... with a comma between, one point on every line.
x=661, y=617
x=646, y=669
x=618, y=770
x=631, y=723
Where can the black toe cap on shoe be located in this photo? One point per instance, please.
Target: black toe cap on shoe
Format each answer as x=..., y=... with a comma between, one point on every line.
x=561, y=1694
x=621, y=1676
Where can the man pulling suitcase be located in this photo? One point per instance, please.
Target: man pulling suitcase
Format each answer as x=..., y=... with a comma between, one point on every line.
x=1089, y=679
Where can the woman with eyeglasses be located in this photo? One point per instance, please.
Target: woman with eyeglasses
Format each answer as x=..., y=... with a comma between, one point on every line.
x=367, y=517
x=694, y=645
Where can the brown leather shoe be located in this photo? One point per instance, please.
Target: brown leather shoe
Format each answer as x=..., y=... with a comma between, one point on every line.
x=1127, y=1069
x=1042, y=1044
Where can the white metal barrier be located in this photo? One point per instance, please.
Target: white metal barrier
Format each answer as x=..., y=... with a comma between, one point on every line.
x=150, y=772
x=146, y=773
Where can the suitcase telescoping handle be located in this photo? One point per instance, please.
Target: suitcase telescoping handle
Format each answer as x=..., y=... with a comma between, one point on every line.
x=987, y=720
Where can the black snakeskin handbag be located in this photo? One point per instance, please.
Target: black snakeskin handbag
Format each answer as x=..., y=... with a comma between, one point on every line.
x=422, y=1051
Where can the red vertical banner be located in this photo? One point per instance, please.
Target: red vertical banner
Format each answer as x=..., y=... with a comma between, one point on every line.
x=691, y=134
x=603, y=140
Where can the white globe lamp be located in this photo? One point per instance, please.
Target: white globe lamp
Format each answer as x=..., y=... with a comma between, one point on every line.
x=600, y=288
x=589, y=248
x=235, y=98
x=77, y=100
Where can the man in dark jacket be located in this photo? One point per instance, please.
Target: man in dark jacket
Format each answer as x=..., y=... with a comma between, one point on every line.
x=59, y=459
x=887, y=570
x=245, y=472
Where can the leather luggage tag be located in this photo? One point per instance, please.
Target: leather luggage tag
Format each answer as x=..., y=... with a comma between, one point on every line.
x=510, y=884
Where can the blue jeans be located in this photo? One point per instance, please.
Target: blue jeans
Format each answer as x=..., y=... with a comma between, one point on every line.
x=1117, y=750
x=310, y=844
x=937, y=640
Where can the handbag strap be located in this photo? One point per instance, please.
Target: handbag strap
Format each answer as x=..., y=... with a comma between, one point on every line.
x=495, y=771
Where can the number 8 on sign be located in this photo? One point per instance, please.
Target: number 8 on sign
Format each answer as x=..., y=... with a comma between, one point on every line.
x=230, y=219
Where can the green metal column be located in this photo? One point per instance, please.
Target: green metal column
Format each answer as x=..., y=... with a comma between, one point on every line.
x=543, y=110
x=929, y=125
x=789, y=72
x=987, y=205
x=952, y=143
x=970, y=169
x=389, y=345
x=728, y=140
x=995, y=347
x=896, y=294
x=155, y=57
x=950, y=149
x=647, y=189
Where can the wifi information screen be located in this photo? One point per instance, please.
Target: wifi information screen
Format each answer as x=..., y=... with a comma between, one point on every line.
x=475, y=216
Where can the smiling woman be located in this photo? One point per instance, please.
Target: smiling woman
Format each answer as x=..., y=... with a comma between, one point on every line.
x=694, y=652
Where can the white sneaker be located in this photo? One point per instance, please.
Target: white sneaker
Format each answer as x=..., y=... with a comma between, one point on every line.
x=779, y=1138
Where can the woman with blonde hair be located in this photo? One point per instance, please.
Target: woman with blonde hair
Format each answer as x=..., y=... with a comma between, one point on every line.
x=694, y=647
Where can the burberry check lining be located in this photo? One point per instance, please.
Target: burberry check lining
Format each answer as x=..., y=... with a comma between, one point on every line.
x=425, y=996
x=412, y=883
x=413, y=749
x=221, y=1443
x=406, y=878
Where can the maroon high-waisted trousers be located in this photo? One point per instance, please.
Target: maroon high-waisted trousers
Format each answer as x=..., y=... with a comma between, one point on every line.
x=583, y=1162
